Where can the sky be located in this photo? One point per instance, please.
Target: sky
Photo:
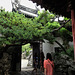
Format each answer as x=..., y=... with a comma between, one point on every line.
x=6, y=4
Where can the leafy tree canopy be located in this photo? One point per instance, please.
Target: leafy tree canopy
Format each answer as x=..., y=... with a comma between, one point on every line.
x=15, y=28
x=55, y=29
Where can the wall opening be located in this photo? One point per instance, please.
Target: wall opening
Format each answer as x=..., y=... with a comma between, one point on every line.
x=26, y=57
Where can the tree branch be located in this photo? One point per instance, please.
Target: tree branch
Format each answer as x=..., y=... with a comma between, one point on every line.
x=61, y=47
x=60, y=26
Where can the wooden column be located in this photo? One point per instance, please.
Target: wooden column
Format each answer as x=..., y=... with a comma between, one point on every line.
x=73, y=28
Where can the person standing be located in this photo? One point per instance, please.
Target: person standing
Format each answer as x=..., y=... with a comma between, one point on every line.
x=48, y=65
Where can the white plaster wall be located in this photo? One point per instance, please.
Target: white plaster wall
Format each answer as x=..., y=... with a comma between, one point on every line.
x=71, y=43
x=59, y=40
x=48, y=48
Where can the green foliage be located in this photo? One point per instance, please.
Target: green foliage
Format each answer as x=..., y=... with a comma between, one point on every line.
x=65, y=18
x=44, y=17
x=52, y=25
x=70, y=52
x=26, y=48
x=65, y=35
x=15, y=28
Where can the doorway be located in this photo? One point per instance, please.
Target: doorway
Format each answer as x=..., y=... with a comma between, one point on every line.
x=17, y=55
x=26, y=57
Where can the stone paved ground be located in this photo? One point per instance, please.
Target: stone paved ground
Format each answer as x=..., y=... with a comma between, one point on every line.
x=27, y=71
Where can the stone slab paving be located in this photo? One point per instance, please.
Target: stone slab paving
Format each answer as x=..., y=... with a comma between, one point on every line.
x=26, y=70
x=24, y=63
x=27, y=73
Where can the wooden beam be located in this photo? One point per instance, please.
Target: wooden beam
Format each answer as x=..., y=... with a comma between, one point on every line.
x=73, y=29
